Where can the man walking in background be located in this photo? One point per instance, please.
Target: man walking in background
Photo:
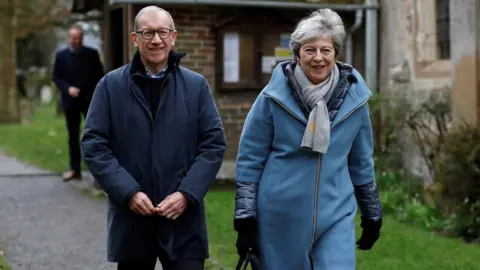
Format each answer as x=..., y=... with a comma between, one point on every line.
x=154, y=141
x=77, y=70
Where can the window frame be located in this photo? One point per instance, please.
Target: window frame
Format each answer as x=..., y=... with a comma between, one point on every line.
x=443, y=29
x=257, y=24
x=256, y=63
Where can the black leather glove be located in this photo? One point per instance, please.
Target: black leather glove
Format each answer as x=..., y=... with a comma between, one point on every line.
x=371, y=211
x=247, y=239
x=370, y=233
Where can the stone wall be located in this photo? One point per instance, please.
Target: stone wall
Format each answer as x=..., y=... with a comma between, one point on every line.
x=408, y=51
x=465, y=66
x=409, y=61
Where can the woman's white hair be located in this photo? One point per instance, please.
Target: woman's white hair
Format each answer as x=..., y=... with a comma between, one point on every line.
x=320, y=23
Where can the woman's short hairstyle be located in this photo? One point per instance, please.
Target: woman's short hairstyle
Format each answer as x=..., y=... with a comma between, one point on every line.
x=320, y=23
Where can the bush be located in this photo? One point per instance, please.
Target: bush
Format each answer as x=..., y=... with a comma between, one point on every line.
x=457, y=170
x=389, y=113
x=404, y=200
x=451, y=201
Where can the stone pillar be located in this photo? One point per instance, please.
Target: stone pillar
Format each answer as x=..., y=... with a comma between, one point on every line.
x=407, y=36
x=465, y=51
x=396, y=53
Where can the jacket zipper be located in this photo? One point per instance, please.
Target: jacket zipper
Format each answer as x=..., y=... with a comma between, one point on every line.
x=159, y=107
x=154, y=121
x=155, y=202
x=317, y=183
x=315, y=206
x=317, y=175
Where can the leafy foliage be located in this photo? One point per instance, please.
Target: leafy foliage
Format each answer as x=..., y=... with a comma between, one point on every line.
x=457, y=170
x=34, y=16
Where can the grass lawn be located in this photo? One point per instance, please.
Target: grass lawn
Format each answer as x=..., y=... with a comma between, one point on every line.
x=44, y=143
x=400, y=247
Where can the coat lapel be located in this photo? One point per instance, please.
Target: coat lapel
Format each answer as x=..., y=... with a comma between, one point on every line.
x=279, y=90
x=140, y=97
x=358, y=95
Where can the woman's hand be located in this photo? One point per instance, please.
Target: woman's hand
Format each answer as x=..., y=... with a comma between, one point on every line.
x=370, y=234
x=247, y=239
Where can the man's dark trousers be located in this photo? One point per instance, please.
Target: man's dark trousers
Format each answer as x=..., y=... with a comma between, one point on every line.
x=73, y=115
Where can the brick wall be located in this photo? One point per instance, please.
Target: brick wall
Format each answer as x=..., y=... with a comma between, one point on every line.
x=197, y=38
x=234, y=108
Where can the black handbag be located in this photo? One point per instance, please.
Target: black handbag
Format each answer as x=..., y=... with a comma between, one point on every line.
x=249, y=259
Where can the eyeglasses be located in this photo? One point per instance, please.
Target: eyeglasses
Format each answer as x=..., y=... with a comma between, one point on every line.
x=149, y=34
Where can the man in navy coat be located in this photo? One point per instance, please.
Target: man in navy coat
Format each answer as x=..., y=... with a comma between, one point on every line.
x=154, y=141
x=77, y=70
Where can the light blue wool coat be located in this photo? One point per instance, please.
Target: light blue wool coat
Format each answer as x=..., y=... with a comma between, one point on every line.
x=297, y=231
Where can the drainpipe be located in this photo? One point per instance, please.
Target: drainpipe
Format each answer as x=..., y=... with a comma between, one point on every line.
x=371, y=45
x=349, y=42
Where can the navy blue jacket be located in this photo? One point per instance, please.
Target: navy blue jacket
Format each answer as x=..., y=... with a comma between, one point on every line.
x=81, y=69
x=128, y=148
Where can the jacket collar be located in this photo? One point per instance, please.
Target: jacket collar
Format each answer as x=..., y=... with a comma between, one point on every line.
x=279, y=89
x=138, y=68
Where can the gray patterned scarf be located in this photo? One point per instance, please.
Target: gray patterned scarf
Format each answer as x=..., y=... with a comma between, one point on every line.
x=317, y=133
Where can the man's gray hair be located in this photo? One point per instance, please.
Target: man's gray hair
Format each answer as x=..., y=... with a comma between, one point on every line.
x=77, y=27
x=320, y=23
x=150, y=9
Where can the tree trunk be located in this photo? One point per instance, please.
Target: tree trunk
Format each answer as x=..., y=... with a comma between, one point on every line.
x=9, y=106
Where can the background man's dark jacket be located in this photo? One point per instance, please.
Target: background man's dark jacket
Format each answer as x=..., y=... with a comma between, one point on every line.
x=128, y=148
x=81, y=69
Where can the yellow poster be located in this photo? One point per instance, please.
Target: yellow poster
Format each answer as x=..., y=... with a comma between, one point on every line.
x=282, y=54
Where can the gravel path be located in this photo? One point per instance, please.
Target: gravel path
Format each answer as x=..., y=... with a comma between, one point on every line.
x=48, y=224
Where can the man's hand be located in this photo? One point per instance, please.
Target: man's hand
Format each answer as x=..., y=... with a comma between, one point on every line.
x=173, y=206
x=73, y=91
x=141, y=204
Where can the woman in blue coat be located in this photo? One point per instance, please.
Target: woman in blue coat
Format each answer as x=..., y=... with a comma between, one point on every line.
x=305, y=159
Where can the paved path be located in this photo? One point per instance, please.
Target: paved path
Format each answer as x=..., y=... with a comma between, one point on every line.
x=48, y=224
x=12, y=167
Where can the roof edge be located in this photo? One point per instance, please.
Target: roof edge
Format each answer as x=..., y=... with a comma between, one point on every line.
x=84, y=6
x=264, y=4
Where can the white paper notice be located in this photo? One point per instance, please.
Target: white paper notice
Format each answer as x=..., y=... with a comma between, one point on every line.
x=268, y=62
x=231, y=57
